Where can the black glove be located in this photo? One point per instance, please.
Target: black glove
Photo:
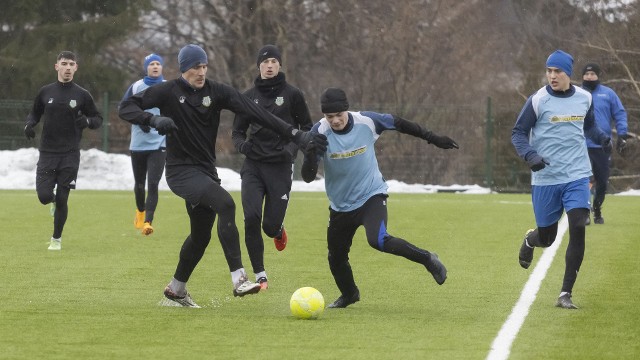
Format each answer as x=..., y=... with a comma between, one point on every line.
x=29, y=132
x=246, y=147
x=443, y=142
x=145, y=128
x=621, y=145
x=607, y=146
x=163, y=124
x=81, y=121
x=537, y=163
x=308, y=140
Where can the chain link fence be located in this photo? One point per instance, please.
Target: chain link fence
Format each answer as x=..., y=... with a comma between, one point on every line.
x=486, y=156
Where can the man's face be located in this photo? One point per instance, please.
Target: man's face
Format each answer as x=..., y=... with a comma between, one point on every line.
x=66, y=68
x=590, y=76
x=154, y=69
x=338, y=120
x=558, y=79
x=196, y=76
x=269, y=68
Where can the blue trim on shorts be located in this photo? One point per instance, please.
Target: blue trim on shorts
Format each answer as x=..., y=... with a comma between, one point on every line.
x=549, y=201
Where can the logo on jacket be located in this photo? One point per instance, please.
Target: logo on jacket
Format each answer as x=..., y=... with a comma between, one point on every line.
x=50, y=101
x=279, y=100
x=181, y=99
x=72, y=103
x=206, y=101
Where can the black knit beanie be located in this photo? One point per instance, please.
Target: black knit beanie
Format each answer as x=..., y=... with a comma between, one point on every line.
x=591, y=67
x=333, y=100
x=269, y=51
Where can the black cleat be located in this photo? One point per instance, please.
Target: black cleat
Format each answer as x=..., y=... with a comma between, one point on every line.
x=526, y=253
x=436, y=268
x=344, y=301
x=565, y=302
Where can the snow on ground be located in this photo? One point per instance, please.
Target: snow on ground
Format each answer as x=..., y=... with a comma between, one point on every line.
x=104, y=171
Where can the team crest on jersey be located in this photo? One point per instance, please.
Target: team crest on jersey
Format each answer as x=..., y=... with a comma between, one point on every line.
x=181, y=99
x=279, y=100
x=72, y=104
x=255, y=101
x=50, y=101
x=206, y=101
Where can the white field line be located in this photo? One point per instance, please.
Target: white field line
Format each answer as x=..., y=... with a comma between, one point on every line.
x=501, y=346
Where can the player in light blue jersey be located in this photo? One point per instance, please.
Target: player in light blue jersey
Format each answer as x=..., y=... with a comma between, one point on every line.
x=356, y=189
x=549, y=135
x=148, y=150
x=607, y=108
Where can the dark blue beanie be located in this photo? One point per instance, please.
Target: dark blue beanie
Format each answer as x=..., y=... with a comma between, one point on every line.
x=190, y=56
x=149, y=58
x=561, y=60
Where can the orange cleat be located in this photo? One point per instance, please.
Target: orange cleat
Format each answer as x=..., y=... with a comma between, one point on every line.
x=281, y=241
x=147, y=229
x=138, y=221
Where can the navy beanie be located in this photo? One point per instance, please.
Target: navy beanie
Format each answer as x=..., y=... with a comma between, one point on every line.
x=269, y=51
x=333, y=100
x=561, y=60
x=190, y=56
x=149, y=58
x=591, y=67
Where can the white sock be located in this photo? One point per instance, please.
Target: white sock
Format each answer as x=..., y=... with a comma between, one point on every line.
x=178, y=287
x=237, y=275
x=58, y=240
x=563, y=293
x=261, y=274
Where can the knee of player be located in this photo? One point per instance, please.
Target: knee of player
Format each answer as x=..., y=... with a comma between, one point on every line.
x=271, y=230
x=46, y=198
x=378, y=242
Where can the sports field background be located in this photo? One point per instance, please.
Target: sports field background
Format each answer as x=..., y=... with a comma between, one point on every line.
x=98, y=297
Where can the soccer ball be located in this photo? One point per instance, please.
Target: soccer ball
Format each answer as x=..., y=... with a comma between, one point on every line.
x=306, y=303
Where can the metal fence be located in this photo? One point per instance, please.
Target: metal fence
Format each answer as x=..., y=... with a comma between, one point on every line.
x=486, y=156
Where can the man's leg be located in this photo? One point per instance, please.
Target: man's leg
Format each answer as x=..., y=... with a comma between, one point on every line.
x=252, y=192
x=600, y=166
x=340, y=232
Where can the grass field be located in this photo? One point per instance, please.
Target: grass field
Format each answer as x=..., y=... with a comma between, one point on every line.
x=98, y=297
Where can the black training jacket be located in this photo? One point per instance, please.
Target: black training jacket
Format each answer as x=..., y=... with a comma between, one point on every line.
x=196, y=113
x=58, y=105
x=283, y=100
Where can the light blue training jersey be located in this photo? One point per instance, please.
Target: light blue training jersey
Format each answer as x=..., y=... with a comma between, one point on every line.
x=141, y=141
x=553, y=125
x=351, y=171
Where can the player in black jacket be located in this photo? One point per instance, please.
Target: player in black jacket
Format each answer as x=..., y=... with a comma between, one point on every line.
x=191, y=107
x=267, y=172
x=66, y=110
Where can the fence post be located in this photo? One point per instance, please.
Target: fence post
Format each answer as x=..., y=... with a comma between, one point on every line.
x=488, y=154
x=105, y=122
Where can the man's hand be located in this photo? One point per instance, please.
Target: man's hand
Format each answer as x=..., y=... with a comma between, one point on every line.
x=308, y=140
x=145, y=128
x=607, y=146
x=537, y=163
x=29, y=132
x=81, y=121
x=621, y=144
x=163, y=124
x=443, y=142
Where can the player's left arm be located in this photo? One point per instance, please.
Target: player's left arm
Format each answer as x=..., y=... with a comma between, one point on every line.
x=89, y=109
x=593, y=131
x=619, y=115
x=394, y=122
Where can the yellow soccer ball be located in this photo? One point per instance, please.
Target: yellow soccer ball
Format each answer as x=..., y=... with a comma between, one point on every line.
x=306, y=303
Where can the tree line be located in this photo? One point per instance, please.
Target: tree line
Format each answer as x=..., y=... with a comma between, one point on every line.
x=406, y=57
